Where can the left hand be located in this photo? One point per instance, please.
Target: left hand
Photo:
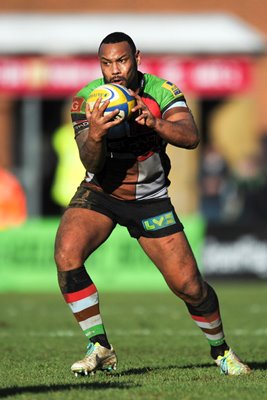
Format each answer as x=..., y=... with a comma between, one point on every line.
x=145, y=116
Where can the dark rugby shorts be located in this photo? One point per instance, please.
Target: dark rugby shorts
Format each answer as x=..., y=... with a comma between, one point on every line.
x=150, y=218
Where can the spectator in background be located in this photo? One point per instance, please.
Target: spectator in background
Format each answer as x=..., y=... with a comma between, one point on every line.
x=236, y=195
x=213, y=181
x=251, y=181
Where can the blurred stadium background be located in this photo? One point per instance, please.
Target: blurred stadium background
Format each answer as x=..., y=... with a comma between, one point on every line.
x=215, y=53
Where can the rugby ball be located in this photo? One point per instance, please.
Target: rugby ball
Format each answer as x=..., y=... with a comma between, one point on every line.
x=118, y=96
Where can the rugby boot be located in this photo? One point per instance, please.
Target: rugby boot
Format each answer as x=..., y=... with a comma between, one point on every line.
x=97, y=358
x=230, y=364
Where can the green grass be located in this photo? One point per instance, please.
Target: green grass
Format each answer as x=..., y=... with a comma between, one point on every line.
x=162, y=354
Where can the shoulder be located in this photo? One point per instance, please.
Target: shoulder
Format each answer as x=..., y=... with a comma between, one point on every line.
x=86, y=90
x=162, y=90
x=80, y=98
x=157, y=84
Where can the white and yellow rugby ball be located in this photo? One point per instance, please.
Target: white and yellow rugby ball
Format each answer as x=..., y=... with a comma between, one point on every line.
x=118, y=96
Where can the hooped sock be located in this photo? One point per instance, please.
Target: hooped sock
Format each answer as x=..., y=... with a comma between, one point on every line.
x=207, y=317
x=81, y=295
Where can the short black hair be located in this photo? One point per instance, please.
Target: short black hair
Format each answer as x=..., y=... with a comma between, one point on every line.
x=117, y=37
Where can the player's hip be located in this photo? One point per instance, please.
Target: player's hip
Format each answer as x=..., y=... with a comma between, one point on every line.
x=149, y=218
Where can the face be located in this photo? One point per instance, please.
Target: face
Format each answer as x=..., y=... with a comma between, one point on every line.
x=119, y=64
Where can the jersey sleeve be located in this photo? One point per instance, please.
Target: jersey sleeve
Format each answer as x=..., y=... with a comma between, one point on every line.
x=166, y=93
x=171, y=97
x=78, y=116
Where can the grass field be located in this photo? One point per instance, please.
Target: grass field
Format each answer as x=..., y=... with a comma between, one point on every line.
x=162, y=354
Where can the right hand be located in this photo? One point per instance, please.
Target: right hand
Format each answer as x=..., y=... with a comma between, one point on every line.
x=100, y=123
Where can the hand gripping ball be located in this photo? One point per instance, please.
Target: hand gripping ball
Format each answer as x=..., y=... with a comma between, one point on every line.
x=118, y=96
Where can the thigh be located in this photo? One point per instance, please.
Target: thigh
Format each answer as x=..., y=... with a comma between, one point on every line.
x=80, y=232
x=174, y=258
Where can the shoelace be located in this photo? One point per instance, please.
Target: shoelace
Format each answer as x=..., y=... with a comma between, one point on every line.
x=223, y=365
x=90, y=348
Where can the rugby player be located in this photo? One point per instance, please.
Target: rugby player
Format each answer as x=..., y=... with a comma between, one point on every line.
x=127, y=183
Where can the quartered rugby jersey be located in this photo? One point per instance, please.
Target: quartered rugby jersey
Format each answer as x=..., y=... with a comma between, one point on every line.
x=137, y=165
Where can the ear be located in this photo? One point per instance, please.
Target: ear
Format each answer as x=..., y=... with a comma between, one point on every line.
x=138, y=57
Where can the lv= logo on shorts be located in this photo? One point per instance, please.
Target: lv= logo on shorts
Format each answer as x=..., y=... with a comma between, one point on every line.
x=159, y=221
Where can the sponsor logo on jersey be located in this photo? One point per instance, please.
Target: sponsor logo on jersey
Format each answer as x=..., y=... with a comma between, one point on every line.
x=159, y=221
x=172, y=88
x=77, y=104
x=80, y=126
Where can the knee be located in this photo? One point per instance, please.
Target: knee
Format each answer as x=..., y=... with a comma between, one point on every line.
x=192, y=290
x=61, y=256
x=67, y=256
x=196, y=291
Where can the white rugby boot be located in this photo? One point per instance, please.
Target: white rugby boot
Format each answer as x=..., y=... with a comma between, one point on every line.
x=97, y=358
x=230, y=364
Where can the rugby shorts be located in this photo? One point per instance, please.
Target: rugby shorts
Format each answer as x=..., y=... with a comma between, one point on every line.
x=150, y=218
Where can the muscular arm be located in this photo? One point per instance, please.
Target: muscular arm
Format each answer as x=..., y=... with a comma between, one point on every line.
x=91, y=142
x=92, y=152
x=178, y=129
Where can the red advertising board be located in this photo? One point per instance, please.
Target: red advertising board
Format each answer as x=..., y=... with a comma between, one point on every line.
x=47, y=76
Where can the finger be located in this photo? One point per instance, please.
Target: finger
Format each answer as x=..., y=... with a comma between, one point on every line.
x=139, y=99
x=141, y=116
x=141, y=122
x=87, y=110
x=138, y=107
x=141, y=119
x=96, y=105
x=135, y=95
x=112, y=123
x=111, y=115
x=132, y=93
x=103, y=106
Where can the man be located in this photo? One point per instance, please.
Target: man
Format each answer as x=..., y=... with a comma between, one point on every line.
x=126, y=183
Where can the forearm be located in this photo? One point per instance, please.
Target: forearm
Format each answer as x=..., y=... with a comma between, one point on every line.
x=92, y=154
x=182, y=133
x=177, y=127
x=91, y=141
